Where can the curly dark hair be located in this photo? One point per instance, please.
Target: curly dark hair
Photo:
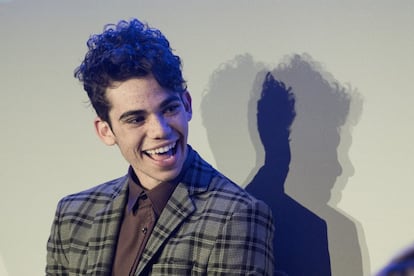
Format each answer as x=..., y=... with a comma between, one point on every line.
x=126, y=50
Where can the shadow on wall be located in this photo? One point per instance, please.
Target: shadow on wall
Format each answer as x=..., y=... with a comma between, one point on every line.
x=271, y=131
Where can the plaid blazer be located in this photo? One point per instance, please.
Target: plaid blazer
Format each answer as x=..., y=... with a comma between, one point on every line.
x=209, y=226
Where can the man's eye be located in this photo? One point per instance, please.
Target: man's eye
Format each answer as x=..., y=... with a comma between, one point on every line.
x=172, y=108
x=134, y=120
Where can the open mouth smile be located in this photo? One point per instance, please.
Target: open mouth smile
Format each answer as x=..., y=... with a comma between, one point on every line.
x=167, y=150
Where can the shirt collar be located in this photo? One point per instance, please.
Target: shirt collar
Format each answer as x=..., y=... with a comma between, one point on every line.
x=159, y=195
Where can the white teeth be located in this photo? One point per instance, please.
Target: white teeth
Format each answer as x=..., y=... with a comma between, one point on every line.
x=161, y=150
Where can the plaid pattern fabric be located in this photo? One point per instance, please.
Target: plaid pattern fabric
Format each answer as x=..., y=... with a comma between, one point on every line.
x=210, y=226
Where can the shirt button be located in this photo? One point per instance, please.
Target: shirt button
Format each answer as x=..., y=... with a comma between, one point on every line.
x=144, y=230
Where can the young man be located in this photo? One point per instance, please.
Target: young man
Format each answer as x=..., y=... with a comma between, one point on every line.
x=172, y=214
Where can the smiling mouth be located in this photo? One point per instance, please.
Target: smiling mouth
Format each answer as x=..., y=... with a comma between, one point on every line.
x=162, y=152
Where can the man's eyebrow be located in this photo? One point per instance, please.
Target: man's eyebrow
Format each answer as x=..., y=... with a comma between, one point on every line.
x=135, y=113
x=171, y=98
x=130, y=113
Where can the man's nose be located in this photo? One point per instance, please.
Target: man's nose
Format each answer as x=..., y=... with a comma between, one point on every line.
x=158, y=127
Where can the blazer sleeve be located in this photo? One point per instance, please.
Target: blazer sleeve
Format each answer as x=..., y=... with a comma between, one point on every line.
x=56, y=260
x=244, y=245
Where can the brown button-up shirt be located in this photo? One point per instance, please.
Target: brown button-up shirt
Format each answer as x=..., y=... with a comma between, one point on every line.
x=141, y=213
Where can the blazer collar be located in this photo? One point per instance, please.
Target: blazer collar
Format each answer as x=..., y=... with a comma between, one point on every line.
x=195, y=179
x=104, y=230
x=178, y=208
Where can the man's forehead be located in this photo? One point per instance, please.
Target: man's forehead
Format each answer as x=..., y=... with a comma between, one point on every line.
x=145, y=101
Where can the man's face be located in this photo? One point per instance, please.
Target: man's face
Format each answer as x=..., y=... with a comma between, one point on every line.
x=150, y=127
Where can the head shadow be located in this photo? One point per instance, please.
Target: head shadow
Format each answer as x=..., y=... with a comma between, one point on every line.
x=320, y=166
x=236, y=149
x=321, y=133
x=279, y=133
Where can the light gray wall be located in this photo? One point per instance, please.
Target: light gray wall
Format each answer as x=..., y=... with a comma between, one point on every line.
x=351, y=162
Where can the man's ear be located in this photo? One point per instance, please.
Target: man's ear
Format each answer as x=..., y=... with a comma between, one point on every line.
x=104, y=131
x=187, y=104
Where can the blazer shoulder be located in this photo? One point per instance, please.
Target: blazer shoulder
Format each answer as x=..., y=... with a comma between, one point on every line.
x=204, y=179
x=235, y=195
x=98, y=195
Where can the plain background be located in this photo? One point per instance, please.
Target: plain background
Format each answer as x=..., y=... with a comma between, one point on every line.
x=49, y=148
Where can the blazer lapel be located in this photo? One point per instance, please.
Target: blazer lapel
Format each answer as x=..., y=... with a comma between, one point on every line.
x=178, y=208
x=104, y=233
